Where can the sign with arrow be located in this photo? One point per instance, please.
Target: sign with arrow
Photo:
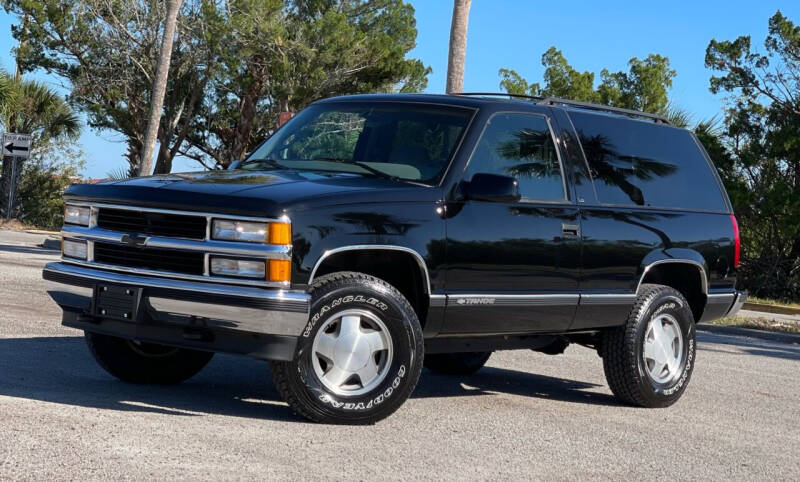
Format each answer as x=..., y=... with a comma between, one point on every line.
x=18, y=145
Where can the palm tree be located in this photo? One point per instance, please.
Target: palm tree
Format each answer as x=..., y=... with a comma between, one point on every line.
x=30, y=107
x=458, y=46
x=159, y=87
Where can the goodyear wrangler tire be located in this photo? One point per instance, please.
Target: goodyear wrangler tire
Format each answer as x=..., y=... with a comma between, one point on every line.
x=359, y=357
x=456, y=363
x=648, y=361
x=152, y=363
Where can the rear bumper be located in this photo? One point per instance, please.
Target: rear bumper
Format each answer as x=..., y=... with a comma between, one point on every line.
x=739, y=299
x=186, y=313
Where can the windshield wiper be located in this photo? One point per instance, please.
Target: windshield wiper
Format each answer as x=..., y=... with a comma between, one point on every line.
x=362, y=165
x=269, y=162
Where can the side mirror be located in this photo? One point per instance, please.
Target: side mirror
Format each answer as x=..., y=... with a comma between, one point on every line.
x=491, y=187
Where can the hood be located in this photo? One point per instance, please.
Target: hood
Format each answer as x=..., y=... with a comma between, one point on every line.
x=254, y=193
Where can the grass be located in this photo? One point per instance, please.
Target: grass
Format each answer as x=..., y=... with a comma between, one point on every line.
x=769, y=301
x=759, y=324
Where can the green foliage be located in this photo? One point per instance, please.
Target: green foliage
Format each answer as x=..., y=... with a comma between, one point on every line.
x=43, y=182
x=644, y=87
x=759, y=158
x=235, y=64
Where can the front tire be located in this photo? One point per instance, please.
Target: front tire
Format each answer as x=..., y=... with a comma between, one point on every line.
x=648, y=361
x=457, y=363
x=360, y=355
x=151, y=363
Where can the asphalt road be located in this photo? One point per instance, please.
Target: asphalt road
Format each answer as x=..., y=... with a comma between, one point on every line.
x=526, y=415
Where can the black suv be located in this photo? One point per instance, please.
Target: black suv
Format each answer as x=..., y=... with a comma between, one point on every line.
x=375, y=234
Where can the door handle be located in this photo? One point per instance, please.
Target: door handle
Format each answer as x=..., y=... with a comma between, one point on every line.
x=571, y=230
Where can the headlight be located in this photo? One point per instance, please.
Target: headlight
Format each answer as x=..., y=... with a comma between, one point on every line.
x=250, y=232
x=73, y=248
x=239, y=268
x=79, y=215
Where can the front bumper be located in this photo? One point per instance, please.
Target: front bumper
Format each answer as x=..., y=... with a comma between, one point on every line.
x=259, y=322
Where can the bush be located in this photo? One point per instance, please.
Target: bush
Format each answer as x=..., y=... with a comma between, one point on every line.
x=40, y=194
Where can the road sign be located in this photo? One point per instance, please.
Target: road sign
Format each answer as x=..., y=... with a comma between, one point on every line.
x=18, y=145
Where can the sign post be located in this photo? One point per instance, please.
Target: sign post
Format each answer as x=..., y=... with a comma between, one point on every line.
x=18, y=147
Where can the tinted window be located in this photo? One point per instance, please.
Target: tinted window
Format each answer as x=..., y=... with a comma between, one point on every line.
x=640, y=163
x=520, y=146
x=408, y=141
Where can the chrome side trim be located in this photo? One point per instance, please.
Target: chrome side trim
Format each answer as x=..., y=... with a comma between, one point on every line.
x=438, y=301
x=703, y=274
x=207, y=280
x=386, y=247
x=271, y=251
x=607, y=299
x=471, y=300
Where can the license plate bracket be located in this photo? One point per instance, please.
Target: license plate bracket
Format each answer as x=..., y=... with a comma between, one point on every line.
x=119, y=302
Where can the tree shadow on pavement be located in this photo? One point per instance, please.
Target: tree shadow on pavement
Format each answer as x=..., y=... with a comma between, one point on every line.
x=61, y=370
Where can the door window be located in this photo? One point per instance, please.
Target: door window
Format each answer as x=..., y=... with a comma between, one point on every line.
x=520, y=146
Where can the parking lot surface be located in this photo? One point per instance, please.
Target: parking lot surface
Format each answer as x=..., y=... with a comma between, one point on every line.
x=526, y=415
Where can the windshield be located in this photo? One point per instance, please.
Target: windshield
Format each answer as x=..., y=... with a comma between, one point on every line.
x=412, y=142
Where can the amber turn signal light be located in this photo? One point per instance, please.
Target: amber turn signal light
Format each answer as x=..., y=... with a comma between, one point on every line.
x=280, y=270
x=280, y=233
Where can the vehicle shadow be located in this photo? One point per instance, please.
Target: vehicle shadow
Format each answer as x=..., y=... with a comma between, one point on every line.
x=61, y=370
x=27, y=249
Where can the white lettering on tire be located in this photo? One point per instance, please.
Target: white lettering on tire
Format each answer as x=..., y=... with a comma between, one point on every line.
x=374, y=402
x=340, y=301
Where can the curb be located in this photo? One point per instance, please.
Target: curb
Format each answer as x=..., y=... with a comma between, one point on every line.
x=789, y=338
x=774, y=309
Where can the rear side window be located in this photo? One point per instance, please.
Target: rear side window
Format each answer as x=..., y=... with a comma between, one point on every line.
x=643, y=164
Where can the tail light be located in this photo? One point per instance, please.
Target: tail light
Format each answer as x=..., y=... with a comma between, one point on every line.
x=737, y=242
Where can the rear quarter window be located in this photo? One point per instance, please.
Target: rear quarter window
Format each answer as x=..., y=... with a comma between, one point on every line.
x=639, y=163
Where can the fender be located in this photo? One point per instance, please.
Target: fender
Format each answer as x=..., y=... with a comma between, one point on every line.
x=674, y=255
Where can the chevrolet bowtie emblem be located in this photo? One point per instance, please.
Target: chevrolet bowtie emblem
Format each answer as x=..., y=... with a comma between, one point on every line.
x=134, y=240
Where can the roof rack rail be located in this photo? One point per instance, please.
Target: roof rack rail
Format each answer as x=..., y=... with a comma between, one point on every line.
x=605, y=108
x=499, y=94
x=572, y=103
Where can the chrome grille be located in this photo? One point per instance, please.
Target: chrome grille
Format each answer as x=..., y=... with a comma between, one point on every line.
x=152, y=223
x=185, y=262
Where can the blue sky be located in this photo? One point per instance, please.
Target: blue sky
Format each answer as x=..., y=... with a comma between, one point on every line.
x=515, y=33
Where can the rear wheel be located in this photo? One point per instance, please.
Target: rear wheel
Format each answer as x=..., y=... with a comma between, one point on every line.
x=138, y=362
x=360, y=355
x=457, y=363
x=648, y=361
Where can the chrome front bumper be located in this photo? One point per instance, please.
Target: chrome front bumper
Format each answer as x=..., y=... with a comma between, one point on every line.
x=189, y=303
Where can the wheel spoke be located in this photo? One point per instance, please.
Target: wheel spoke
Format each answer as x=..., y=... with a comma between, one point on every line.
x=336, y=376
x=658, y=369
x=650, y=349
x=326, y=344
x=375, y=340
x=350, y=325
x=368, y=372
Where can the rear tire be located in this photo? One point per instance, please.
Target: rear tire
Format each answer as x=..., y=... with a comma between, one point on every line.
x=648, y=361
x=456, y=363
x=360, y=355
x=135, y=362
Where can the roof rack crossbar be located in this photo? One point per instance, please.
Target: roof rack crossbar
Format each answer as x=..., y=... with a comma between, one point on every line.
x=571, y=103
x=605, y=108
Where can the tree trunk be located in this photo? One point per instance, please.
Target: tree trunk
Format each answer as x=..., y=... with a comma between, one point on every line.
x=458, y=46
x=159, y=86
x=5, y=186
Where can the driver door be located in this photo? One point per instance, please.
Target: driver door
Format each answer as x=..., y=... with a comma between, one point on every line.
x=513, y=267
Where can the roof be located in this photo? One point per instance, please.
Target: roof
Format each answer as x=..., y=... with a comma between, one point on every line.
x=477, y=99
